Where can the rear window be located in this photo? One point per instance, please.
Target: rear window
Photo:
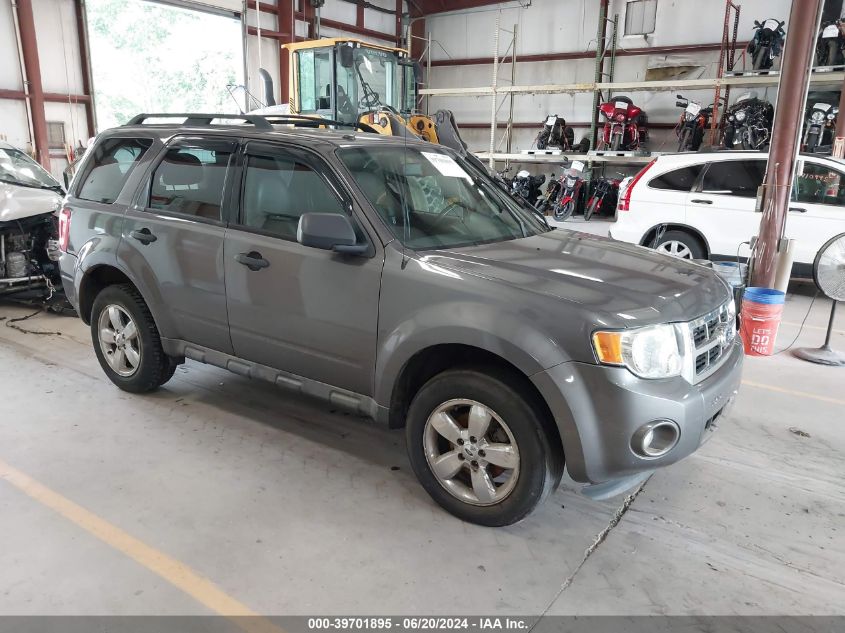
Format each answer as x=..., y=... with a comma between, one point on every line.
x=734, y=178
x=677, y=180
x=107, y=172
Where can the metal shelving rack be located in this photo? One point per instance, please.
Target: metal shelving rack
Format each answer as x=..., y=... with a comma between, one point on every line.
x=723, y=82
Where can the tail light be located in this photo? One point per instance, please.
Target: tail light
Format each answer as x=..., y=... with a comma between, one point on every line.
x=625, y=199
x=64, y=228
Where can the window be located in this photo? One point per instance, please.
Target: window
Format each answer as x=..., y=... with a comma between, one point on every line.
x=109, y=168
x=430, y=199
x=640, y=17
x=190, y=180
x=818, y=184
x=677, y=180
x=734, y=178
x=315, y=80
x=278, y=189
x=56, y=134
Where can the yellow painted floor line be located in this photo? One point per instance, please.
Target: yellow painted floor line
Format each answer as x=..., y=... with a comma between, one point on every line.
x=792, y=392
x=176, y=573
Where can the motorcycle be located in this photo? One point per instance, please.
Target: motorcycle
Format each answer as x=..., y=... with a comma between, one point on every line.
x=546, y=203
x=555, y=134
x=569, y=192
x=527, y=187
x=766, y=44
x=821, y=126
x=624, y=127
x=830, y=44
x=604, y=197
x=29, y=229
x=692, y=124
x=749, y=123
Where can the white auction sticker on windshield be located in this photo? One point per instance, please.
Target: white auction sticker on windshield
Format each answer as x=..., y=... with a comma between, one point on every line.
x=446, y=165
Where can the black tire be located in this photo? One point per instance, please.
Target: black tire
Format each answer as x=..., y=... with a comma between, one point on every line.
x=760, y=56
x=591, y=209
x=684, y=141
x=583, y=146
x=616, y=143
x=543, y=139
x=569, y=135
x=540, y=464
x=155, y=367
x=689, y=240
x=564, y=210
x=812, y=142
x=832, y=53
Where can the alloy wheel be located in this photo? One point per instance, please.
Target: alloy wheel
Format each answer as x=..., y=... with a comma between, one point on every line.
x=471, y=452
x=675, y=249
x=119, y=340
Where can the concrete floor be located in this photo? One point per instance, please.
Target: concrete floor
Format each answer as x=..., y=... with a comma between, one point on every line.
x=285, y=507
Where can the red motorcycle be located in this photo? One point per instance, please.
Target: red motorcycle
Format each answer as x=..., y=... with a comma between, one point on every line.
x=624, y=126
x=569, y=191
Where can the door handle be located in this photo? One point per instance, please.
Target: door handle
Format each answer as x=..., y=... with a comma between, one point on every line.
x=252, y=260
x=701, y=201
x=145, y=236
x=797, y=210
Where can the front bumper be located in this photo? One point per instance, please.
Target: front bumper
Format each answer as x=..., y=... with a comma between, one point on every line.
x=598, y=409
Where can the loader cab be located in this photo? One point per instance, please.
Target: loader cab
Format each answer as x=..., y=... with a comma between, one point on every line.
x=343, y=79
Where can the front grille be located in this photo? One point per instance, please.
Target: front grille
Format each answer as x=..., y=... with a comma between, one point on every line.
x=711, y=336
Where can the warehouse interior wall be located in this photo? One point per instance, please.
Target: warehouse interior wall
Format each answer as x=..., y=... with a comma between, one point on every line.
x=470, y=34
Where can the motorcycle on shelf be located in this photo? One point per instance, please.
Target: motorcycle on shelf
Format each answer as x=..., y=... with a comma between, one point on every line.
x=692, y=124
x=555, y=134
x=766, y=44
x=830, y=44
x=624, y=127
x=821, y=127
x=749, y=123
x=527, y=187
x=604, y=197
x=547, y=201
x=569, y=192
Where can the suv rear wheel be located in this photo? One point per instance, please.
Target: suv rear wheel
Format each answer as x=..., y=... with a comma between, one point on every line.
x=479, y=448
x=681, y=244
x=127, y=342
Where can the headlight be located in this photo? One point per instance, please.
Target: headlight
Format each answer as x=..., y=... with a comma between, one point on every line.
x=817, y=117
x=740, y=116
x=648, y=352
x=831, y=116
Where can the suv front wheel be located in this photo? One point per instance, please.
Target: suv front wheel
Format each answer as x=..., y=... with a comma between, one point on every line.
x=127, y=342
x=479, y=447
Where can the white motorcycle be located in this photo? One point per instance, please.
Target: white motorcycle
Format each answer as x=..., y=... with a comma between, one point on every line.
x=29, y=250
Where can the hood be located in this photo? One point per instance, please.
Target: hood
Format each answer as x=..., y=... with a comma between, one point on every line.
x=17, y=202
x=619, y=284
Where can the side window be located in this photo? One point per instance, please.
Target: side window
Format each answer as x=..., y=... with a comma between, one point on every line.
x=677, y=180
x=190, y=180
x=315, y=78
x=112, y=162
x=278, y=189
x=734, y=178
x=818, y=184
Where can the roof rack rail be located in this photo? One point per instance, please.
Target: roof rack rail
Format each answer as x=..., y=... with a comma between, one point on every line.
x=200, y=119
x=315, y=121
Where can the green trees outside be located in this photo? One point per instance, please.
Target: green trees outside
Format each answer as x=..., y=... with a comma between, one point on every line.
x=150, y=57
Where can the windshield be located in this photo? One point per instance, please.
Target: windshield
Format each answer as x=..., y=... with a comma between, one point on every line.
x=18, y=168
x=431, y=200
x=374, y=80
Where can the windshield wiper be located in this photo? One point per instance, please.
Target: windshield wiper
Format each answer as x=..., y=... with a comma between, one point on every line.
x=34, y=185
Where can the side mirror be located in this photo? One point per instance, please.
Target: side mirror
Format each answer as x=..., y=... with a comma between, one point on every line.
x=346, y=56
x=330, y=232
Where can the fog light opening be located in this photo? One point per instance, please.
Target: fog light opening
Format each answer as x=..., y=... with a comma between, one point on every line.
x=655, y=439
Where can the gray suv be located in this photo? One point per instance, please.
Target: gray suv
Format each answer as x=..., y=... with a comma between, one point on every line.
x=396, y=279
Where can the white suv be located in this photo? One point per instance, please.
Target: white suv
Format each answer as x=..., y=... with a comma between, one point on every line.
x=702, y=205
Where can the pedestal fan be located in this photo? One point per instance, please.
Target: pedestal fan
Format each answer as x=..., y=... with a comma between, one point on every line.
x=829, y=275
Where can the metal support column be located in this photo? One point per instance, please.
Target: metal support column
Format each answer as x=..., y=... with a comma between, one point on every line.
x=601, y=43
x=85, y=64
x=512, y=96
x=34, y=90
x=286, y=26
x=493, y=106
x=839, y=136
x=789, y=117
